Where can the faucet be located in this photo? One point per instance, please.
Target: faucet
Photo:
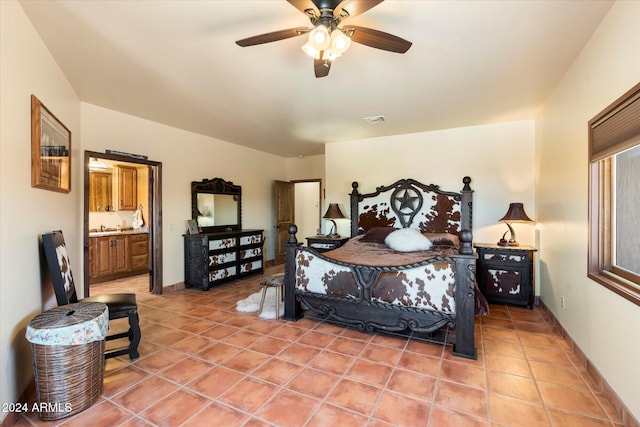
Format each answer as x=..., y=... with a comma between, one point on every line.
x=102, y=227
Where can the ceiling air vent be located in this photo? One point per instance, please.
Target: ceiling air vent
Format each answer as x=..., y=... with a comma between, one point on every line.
x=374, y=119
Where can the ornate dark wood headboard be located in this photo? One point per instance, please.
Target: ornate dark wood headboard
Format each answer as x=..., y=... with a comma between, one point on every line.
x=409, y=203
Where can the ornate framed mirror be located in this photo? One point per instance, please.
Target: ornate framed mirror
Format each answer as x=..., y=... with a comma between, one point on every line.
x=216, y=205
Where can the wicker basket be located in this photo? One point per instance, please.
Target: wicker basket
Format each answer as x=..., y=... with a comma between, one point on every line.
x=68, y=358
x=68, y=378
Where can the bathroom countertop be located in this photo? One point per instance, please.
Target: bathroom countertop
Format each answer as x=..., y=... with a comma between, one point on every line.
x=110, y=232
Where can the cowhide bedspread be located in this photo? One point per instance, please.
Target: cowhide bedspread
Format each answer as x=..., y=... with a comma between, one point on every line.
x=418, y=284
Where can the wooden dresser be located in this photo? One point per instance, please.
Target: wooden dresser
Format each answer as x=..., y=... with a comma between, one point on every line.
x=214, y=258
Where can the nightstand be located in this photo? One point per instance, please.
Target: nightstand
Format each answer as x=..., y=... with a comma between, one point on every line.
x=505, y=273
x=325, y=243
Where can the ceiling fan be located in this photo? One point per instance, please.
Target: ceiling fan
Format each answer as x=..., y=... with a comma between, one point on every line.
x=327, y=40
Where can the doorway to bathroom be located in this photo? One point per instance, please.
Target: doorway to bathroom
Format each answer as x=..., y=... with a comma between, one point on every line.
x=122, y=220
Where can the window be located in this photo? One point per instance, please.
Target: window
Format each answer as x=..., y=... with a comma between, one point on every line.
x=614, y=196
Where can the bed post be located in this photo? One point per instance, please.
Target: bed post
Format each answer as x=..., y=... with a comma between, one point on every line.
x=355, y=199
x=466, y=208
x=465, y=298
x=292, y=308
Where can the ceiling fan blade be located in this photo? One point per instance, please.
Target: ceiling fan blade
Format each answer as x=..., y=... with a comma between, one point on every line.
x=378, y=39
x=321, y=67
x=273, y=36
x=304, y=5
x=349, y=8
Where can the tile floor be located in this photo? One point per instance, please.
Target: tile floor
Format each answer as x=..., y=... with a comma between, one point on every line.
x=204, y=364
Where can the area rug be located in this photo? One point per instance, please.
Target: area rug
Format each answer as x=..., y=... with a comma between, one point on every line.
x=252, y=303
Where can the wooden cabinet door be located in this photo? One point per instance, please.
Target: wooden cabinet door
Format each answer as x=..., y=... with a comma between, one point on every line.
x=127, y=188
x=120, y=254
x=100, y=192
x=103, y=256
x=111, y=255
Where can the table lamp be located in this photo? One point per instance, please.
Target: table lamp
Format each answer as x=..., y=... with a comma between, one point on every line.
x=515, y=213
x=333, y=212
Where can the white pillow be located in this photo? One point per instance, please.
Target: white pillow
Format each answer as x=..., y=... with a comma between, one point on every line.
x=407, y=240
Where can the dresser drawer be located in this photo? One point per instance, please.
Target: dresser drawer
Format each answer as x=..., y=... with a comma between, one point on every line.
x=250, y=253
x=505, y=257
x=228, y=243
x=251, y=239
x=222, y=258
x=223, y=273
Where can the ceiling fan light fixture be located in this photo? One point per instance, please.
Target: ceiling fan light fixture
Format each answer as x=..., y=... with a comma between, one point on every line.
x=319, y=38
x=329, y=55
x=325, y=40
x=339, y=42
x=310, y=50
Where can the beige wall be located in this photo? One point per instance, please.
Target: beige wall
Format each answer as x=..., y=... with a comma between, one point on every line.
x=604, y=325
x=307, y=209
x=28, y=68
x=498, y=158
x=310, y=167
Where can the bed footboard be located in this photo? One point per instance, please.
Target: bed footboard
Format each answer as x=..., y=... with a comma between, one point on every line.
x=370, y=316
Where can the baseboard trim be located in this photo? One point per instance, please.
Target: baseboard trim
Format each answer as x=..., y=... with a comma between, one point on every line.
x=173, y=288
x=28, y=395
x=622, y=411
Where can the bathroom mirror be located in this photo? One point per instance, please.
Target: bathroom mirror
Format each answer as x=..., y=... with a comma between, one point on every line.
x=216, y=205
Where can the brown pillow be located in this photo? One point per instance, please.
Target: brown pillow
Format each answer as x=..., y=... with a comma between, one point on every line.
x=443, y=239
x=377, y=234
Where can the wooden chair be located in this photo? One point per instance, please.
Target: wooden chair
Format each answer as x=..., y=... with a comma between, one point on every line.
x=120, y=305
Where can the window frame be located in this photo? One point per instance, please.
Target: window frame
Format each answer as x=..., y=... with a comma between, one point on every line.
x=614, y=130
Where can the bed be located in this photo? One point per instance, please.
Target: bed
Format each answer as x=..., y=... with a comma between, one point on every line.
x=409, y=286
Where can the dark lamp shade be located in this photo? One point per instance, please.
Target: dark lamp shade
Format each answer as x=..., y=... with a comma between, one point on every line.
x=333, y=212
x=515, y=213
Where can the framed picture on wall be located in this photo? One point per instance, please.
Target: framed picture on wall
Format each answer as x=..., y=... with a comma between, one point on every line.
x=192, y=226
x=50, y=150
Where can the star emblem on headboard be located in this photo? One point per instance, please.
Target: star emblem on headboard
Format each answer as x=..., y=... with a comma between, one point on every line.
x=406, y=201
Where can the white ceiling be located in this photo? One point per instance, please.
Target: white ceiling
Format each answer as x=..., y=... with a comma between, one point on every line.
x=175, y=62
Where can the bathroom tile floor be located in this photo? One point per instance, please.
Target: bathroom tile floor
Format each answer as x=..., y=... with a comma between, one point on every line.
x=203, y=363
